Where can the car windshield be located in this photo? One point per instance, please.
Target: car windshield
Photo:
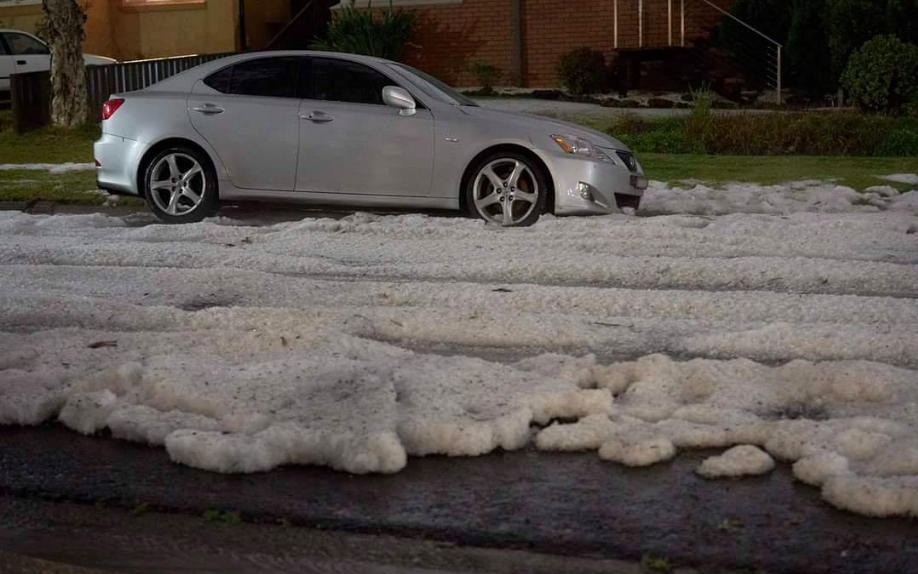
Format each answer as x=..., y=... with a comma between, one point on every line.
x=434, y=87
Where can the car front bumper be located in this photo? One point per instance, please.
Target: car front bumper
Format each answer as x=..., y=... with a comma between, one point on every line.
x=587, y=187
x=117, y=159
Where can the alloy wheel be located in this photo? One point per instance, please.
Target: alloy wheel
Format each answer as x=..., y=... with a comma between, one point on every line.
x=505, y=191
x=177, y=184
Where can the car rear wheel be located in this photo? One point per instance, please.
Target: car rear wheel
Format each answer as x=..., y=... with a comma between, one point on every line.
x=181, y=186
x=507, y=188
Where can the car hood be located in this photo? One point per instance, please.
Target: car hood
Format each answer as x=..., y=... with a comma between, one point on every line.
x=549, y=126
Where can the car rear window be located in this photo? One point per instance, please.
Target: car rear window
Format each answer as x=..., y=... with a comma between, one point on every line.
x=220, y=81
x=268, y=77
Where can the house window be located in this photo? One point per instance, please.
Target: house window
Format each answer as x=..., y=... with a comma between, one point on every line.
x=383, y=4
x=142, y=3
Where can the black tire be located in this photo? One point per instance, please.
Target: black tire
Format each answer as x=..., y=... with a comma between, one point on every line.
x=528, y=212
x=204, y=186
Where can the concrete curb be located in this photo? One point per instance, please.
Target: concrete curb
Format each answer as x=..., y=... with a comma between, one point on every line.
x=53, y=208
x=19, y=564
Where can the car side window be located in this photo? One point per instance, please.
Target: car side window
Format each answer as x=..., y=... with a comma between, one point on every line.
x=269, y=77
x=343, y=81
x=220, y=80
x=22, y=45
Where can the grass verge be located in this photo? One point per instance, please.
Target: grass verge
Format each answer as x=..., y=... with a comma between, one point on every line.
x=856, y=172
x=48, y=145
x=71, y=187
x=763, y=134
x=66, y=187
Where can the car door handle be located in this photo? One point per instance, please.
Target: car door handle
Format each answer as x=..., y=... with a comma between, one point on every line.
x=208, y=109
x=318, y=117
x=21, y=62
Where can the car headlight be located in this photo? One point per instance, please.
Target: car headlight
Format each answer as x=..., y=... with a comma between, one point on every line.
x=580, y=146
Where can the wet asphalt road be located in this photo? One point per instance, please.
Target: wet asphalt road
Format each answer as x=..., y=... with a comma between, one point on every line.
x=569, y=504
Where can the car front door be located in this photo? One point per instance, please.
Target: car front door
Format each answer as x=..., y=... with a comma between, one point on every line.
x=249, y=113
x=29, y=54
x=351, y=142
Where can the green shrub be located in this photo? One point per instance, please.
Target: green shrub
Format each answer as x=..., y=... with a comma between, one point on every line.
x=849, y=134
x=582, y=71
x=359, y=32
x=697, y=129
x=900, y=142
x=486, y=74
x=882, y=75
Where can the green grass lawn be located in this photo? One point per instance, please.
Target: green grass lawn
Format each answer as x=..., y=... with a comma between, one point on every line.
x=47, y=145
x=855, y=172
x=67, y=187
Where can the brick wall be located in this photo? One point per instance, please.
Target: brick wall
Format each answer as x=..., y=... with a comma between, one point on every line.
x=452, y=35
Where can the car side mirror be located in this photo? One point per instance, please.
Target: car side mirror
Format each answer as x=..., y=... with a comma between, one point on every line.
x=399, y=98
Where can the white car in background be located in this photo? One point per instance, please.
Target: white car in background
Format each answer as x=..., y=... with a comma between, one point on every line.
x=21, y=52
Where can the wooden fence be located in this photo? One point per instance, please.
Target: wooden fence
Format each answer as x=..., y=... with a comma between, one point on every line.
x=30, y=100
x=31, y=93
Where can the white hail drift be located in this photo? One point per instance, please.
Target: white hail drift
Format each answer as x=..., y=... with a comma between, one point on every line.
x=240, y=348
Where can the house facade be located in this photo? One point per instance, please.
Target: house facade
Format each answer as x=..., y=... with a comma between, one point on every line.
x=138, y=29
x=527, y=38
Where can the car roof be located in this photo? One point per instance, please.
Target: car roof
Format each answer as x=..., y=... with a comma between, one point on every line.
x=338, y=55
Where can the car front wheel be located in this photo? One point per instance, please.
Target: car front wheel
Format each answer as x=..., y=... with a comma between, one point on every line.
x=181, y=186
x=508, y=189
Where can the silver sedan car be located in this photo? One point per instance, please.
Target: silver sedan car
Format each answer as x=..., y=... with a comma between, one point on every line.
x=340, y=129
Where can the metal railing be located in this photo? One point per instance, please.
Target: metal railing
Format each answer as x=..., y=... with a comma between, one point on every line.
x=763, y=56
x=691, y=24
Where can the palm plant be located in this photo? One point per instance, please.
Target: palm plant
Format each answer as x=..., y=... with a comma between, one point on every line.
x=358, y=32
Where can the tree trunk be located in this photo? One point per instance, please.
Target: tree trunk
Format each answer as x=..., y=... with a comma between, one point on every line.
x=69, y=107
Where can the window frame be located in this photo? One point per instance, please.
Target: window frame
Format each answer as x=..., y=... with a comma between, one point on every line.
x=130, y=5
x=406, y=3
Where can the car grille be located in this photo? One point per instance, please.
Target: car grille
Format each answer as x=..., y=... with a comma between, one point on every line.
x=628, y=159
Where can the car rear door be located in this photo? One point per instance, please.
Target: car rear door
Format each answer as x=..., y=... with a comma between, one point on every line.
x=351, y=142
x=29, y=54
x=249, y=113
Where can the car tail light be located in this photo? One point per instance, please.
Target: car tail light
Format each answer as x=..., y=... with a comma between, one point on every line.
x=110, y=107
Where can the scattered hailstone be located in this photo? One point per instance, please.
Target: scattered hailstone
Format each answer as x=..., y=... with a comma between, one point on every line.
x=909, y=178
x=743, y=460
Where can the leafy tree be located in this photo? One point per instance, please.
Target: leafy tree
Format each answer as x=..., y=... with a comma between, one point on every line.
x=809, y=64
x=819, y=36
x=849, y=24
x=882, y=75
